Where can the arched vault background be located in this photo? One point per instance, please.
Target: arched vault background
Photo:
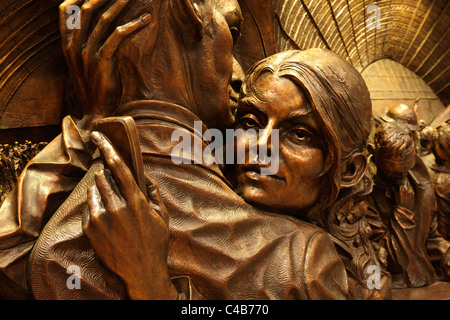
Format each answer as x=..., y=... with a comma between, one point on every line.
x=414, y=33
x=390, y=84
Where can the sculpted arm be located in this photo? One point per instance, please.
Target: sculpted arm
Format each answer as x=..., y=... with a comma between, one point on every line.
x=325, y=274
x=129, y=233
x=42, y=187
x=50, y=177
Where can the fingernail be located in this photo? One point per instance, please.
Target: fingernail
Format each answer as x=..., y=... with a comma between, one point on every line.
x=96, y=136
x=146, y=18
x=94, y=192
x=99, y=173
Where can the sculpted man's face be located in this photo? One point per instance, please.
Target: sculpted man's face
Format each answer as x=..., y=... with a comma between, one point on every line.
x=213, y=66
x=297, y=185
x=186, y=57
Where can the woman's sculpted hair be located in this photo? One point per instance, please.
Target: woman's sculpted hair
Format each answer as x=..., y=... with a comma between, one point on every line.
x=341, y=105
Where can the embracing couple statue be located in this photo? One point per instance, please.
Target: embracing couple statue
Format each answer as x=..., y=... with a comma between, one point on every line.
x=194, y=230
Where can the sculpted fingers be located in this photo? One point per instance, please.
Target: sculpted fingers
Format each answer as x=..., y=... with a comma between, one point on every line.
x=120, y=33
x=155, y=200
x=407, y=195
x=105, y=21
x=109, y=192
x=88, y=10
x=67, y=9
x=120, y=171
x=95, y=203
x=75, y=20
x=94, y=213
x=105, y=206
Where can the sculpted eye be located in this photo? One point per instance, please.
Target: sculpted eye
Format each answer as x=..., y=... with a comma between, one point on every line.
x=235, y=33
x=249, y=122
x=301, y=135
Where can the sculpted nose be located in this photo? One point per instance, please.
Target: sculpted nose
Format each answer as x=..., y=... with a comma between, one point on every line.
x=238, y=76
x=266, y=135
x=268, y=140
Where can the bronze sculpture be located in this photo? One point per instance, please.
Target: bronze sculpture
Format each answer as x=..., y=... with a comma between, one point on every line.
x=402, y=203
x=439, y=174
x=243, y=217
x=322, y=175
x=175, y=67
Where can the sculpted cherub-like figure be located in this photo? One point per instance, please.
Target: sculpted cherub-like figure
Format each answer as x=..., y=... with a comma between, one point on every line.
x=403, y=207
x=440, y=173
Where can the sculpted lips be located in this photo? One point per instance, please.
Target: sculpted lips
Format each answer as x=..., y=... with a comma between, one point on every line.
x=253, y=172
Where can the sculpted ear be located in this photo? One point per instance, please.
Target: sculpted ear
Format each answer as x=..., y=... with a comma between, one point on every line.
x=187, y=15
x=353, y=170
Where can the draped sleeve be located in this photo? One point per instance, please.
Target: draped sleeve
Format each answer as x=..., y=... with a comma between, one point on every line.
x=44, y=184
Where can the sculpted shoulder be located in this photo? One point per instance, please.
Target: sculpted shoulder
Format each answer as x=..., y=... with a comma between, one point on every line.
x=307, y=257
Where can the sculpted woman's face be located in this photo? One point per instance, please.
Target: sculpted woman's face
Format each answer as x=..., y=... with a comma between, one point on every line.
x=282, y=106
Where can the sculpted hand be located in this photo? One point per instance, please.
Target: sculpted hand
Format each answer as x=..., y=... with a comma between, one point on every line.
x=129, y=233
x=91, y=59
x=405, y=196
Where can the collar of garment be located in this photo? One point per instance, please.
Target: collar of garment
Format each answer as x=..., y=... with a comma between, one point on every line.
x=166, y=117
